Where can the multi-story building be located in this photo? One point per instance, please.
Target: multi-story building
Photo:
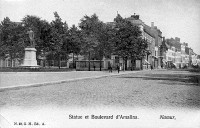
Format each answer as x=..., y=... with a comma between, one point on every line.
x=186, y=55
x=178, y=53
x=158, y=41
x=170, y=56
x=163, y=51
x=150, y=57
x=193, y=58
x=147, y=34
x=178, y=59
x=198, y=60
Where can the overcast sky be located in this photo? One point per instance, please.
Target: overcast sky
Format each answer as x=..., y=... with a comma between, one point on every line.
x=175, y=18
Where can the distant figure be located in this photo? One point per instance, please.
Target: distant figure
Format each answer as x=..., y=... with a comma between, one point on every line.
x=94, y=67
x=151, y=67
x=118, y=68
x=110, y=68
x=31, y=37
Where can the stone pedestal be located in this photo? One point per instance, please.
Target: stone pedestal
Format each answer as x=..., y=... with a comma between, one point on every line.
x=30, y=58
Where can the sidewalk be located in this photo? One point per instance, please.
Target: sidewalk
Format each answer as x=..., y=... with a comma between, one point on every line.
x=26, y=79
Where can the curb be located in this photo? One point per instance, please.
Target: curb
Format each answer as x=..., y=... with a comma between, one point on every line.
x=60, y=81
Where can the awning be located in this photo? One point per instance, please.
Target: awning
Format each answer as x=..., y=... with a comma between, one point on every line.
x=164, y=61
x=195, y=64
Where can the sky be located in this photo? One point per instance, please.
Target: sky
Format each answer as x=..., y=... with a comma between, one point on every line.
x=175, y=18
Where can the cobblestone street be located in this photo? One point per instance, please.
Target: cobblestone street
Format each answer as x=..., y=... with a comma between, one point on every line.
x=146, y=95
x=153, y=89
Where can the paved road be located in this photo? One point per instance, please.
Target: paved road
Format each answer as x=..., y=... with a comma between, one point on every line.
x=151, y=88
x=14, y=79
x=144, y=94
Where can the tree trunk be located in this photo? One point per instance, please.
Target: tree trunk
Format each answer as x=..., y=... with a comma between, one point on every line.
x=89, y=62
x=73, y=61
x=100, y=64
x=101, y=58
x=141, y=64
x=126, y=63
x=11, y=60
x=132, y=63
x=148, y=61
x=59, y=61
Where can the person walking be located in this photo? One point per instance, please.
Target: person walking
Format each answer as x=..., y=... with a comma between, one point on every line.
x=111, y=69
x=151, y=66
x=118, y=68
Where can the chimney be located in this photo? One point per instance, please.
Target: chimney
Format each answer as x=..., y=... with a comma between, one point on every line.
x=135, y=16
x=152, y=24
x=177, y=39
x=163, y=38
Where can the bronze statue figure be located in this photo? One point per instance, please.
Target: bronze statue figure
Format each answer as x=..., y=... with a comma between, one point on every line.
x=31, y=37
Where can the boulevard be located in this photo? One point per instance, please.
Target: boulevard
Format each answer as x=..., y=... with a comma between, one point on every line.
x=25, y=79
x=147, y=95
x=151, y=88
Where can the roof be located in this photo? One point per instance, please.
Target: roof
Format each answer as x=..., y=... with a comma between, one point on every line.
x=148, y=30
x=167, y=45
x=187, y=50
x=135, y=21
x=174, y=43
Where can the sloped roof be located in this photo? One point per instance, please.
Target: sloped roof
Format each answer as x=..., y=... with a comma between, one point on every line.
x=135, y=21
x=173, y=43
x=148, y=30
x=167, y=45
x=187, y=50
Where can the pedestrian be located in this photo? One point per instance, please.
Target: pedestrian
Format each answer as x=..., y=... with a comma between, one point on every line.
x=111, y=69
x=151, y=67
x=118, y=68
x=94, y=67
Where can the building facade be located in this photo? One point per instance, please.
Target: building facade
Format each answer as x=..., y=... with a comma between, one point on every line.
x=158, y=41
x=148, y=35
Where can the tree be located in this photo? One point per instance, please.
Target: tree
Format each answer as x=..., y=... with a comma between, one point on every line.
x=41, y=30
x=128, y=42
x=74, y=45
x=11, y=45
x=89, y=30
x=59, y=34
x=105, y=36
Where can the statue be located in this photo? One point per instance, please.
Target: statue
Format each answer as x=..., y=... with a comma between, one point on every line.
x=31, y=37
